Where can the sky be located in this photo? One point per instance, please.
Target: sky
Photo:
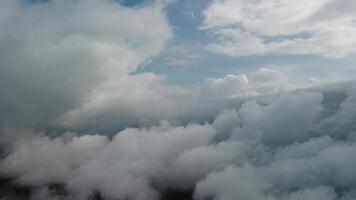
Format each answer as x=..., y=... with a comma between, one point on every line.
x=161, y=99
x=189, y=61
x=190, y=56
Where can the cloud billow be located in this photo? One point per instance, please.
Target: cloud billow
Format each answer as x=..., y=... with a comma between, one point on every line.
x=56, y=55
x=78, y=121
x=275, y=148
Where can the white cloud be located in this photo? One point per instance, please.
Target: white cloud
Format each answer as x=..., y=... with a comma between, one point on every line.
x=56, y=158
x=54, y=55
x=270, y=148
x=223, y=185
x=68, y=64
x=123, y=167
x=265, y=81
x=245, y=27
x=135, y=100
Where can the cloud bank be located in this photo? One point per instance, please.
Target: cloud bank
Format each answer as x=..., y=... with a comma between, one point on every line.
x=277, y=147
x=78, y=121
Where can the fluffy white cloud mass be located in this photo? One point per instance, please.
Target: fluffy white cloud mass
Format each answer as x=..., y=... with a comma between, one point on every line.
x=56, y=55
x=120, y=168
x=263, y=82
x=79, y=122
x=269, y=148
x=245, y=27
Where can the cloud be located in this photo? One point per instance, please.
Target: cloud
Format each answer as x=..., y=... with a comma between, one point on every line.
x=259, y=121
x=314, y=193
x=245, y=28
x=123, y=167
x=88, y=125
x=60, y=52
x=37, y=153
x=265, y=81
x=223, y=185
x=272, y=147
x=135, y=100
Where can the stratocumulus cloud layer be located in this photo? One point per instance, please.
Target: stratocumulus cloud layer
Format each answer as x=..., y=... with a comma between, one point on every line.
x=82, y=117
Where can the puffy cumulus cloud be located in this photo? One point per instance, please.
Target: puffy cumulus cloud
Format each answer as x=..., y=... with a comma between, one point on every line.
x=138, y=158
x=223, y=185
x=123, y=167
x=143, y=100
x=244, y=27
x=270, y=148
x=55, y=54
x=265, y=81
x=294, y=124
x=53, y=157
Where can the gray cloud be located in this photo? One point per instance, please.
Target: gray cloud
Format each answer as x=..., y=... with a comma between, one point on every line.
x=55, y=55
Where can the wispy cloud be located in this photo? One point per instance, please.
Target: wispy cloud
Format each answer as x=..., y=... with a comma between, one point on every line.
x=245, y=27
